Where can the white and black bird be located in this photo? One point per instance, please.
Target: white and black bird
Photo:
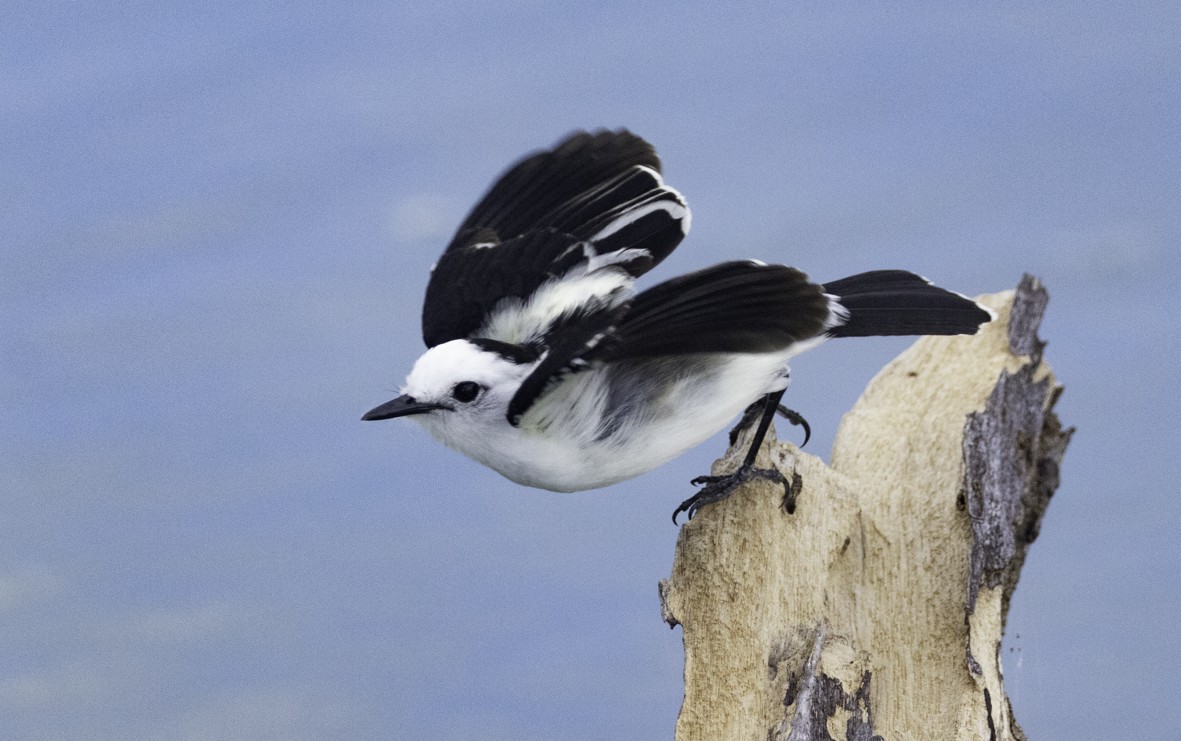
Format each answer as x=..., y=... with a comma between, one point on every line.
x=545, y=364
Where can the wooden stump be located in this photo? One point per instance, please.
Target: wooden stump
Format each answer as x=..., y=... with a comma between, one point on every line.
x=873, y=605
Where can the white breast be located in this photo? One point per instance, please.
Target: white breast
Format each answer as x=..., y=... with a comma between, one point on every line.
x=555, y=446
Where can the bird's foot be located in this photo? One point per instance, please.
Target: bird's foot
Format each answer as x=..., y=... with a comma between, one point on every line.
x=751, y=415
x=717, y=488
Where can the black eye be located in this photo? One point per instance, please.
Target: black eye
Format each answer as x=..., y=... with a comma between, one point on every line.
x=465, y=391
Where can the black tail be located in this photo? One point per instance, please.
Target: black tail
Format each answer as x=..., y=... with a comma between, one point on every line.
x=895, y=302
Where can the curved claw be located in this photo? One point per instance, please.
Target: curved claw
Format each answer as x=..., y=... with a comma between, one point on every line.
x=798, y=420
x=693, y=503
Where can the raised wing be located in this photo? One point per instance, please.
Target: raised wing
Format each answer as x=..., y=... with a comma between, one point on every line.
x=468, y=282
x=525, y=196
x=595, y=202
x=728, y=308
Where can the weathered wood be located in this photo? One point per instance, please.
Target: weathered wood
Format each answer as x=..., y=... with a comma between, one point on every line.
x=873, y=605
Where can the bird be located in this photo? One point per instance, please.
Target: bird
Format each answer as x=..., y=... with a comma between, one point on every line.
x=546, y=364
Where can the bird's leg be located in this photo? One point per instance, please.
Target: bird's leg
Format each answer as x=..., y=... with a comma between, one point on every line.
x=717, y=488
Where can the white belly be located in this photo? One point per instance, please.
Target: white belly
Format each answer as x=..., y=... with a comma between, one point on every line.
x=563, y=454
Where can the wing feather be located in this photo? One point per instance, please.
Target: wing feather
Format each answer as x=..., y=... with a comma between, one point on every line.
x=734, y=307
x=468, y=283
x=731, y=307
x=594, y=202
x=542, y=182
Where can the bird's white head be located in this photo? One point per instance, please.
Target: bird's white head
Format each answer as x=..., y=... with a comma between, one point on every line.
x=459, y=391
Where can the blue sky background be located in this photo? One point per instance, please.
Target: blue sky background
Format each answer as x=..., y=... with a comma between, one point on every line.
x=217, y=225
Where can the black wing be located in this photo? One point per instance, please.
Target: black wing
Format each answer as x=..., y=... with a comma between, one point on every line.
x=525, y=196
x=593, y=197
x=467, y=283
x=734, y=307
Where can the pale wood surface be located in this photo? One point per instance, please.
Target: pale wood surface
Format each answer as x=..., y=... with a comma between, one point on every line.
x=876, y=607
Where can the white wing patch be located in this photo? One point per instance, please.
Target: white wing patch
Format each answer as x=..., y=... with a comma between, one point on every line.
x=837, y=314
x=676, y=210
x=519, y=322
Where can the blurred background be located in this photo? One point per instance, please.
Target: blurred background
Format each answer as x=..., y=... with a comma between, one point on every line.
x=217, y=225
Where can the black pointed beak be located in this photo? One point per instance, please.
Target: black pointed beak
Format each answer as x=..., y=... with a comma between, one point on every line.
x=402, y=406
